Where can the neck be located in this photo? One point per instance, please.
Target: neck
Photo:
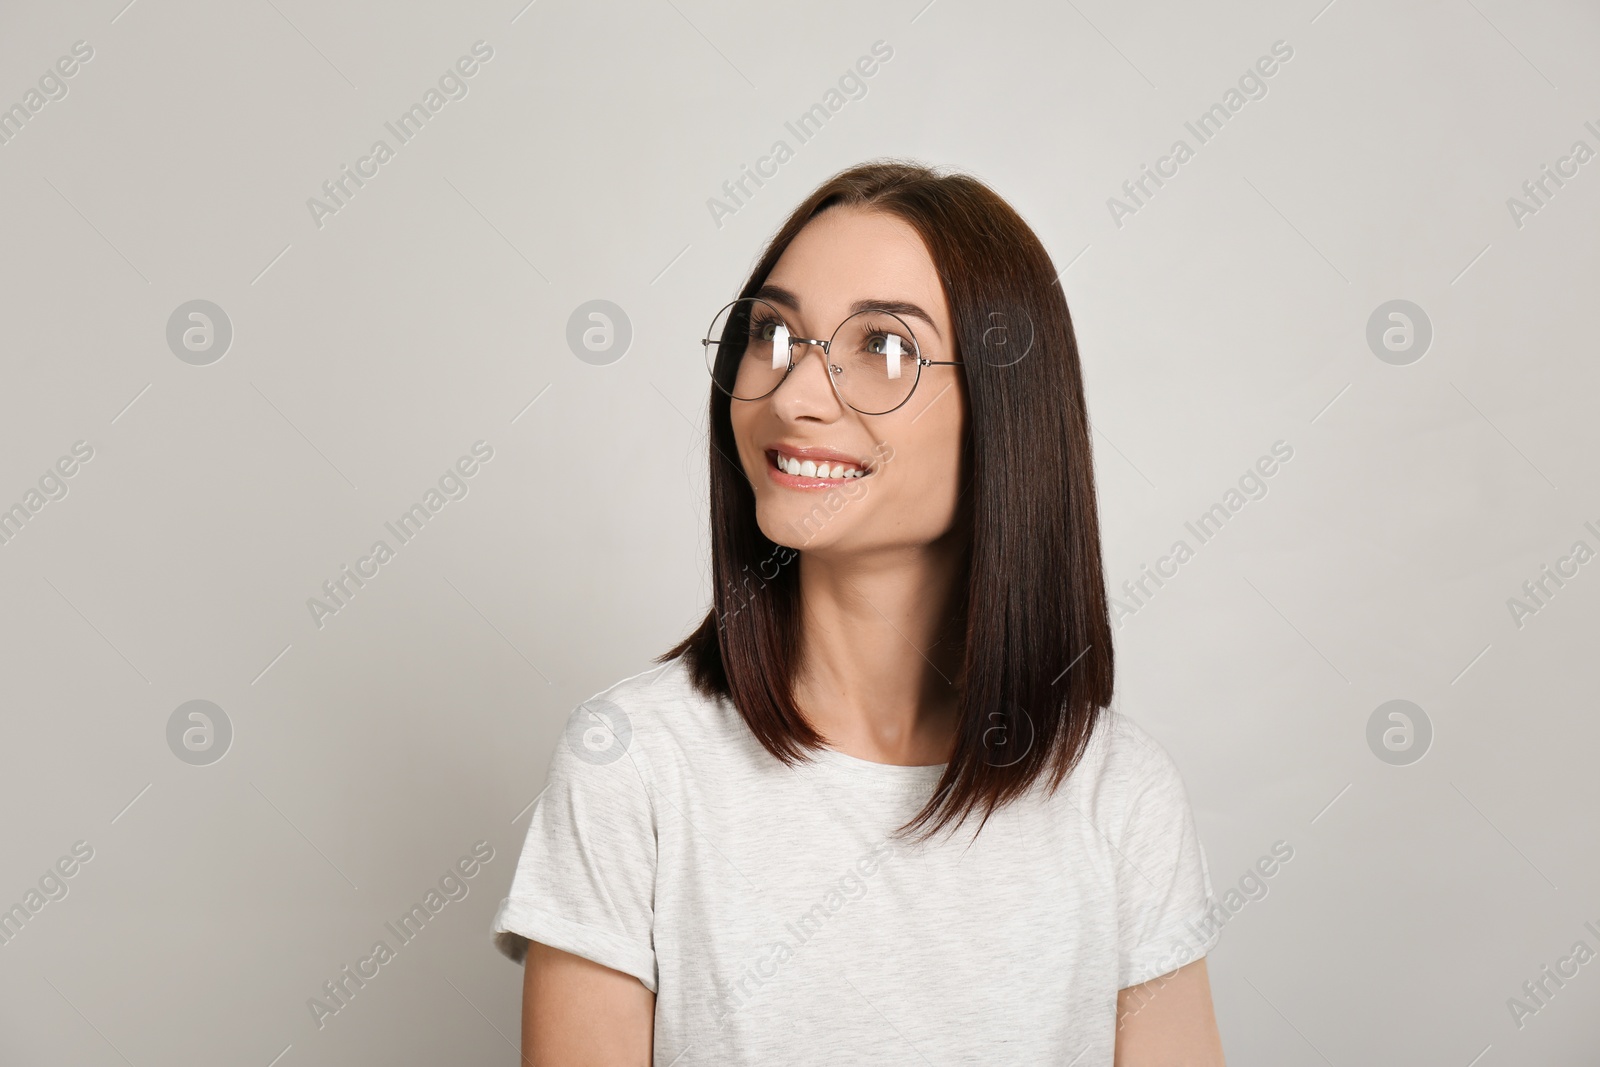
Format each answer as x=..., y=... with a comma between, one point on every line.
x=880, y=647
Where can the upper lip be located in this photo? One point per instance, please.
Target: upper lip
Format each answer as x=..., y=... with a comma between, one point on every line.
x=817, y=455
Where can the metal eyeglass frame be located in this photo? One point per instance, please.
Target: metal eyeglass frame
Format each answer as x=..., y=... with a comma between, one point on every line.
x=706, y=342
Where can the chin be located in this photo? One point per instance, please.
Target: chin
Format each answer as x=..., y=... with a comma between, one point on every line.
x=801, y=528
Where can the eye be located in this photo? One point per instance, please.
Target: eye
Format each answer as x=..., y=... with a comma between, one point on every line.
x=878, y=343
x=764, y=329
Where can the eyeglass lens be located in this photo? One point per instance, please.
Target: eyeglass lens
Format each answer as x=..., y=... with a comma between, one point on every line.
x=872, y=355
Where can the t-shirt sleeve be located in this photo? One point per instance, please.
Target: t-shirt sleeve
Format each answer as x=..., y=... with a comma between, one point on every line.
x=1164, y=895
x=585, y=881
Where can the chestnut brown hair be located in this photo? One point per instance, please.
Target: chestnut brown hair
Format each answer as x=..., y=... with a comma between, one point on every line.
x=1031, y=619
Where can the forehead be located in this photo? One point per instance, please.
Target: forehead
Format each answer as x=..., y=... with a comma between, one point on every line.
x=847, y=253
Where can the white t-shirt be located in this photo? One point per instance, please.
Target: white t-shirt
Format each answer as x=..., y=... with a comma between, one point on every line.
x=777, y=923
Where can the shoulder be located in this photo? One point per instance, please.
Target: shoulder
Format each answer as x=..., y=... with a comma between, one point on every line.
x=1131, y=754
x=1125, y=770
x=658, y=718
x=661, y=700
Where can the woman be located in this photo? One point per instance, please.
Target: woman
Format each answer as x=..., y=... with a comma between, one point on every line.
x=750, y=854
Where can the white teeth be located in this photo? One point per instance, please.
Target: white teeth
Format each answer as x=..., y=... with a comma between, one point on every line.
x=811, y=469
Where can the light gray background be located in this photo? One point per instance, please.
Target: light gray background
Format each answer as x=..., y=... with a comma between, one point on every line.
x=431, y=312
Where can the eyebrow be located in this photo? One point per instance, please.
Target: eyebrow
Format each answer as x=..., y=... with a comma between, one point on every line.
x=779, y=295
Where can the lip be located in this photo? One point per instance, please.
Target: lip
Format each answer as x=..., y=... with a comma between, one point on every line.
x=816, y=454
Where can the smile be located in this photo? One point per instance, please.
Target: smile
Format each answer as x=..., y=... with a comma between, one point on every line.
x=807, y=473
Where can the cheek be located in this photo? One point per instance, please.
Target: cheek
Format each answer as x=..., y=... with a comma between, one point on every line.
x=926, y=484
x=914, y=508
x=740, y=417
x=938, y=484
x=935, y=451
x=939, y=472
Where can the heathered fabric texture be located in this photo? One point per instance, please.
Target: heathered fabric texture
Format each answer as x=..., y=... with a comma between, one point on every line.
x=778, y=923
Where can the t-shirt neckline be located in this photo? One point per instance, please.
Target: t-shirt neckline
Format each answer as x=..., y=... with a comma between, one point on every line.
x=887, y=773
x=900, y=775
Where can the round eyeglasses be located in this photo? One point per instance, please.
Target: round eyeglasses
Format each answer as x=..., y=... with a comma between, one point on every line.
x=873, y=359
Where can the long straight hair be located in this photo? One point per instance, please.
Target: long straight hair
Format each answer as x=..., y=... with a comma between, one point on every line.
x=1031, y=615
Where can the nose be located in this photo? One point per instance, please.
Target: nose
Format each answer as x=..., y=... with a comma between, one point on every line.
x=800, y=347
x=805, y=343
x=803, y=346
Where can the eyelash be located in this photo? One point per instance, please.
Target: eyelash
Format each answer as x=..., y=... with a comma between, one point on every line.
x=759, y=324
x=874, y=329
x=874, y=332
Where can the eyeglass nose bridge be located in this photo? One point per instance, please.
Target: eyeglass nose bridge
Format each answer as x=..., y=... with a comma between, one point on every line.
x=808, y=341
x=819, y=343
x=827, y=365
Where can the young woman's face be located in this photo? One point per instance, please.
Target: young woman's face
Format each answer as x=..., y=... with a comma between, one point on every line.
x=912, y=454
